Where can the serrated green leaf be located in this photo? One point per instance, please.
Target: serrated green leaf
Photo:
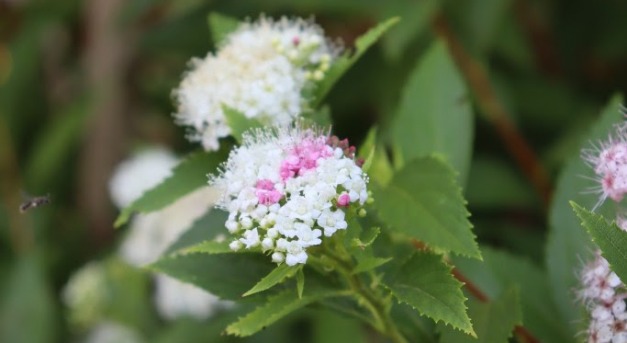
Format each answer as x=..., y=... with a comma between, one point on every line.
x=493, y=321
x=221, y=26
x=424, y=201
x=188, y=176
x=608, y=236
x=205, y=228
x=425, y=283
x=239, y=123
x=226, y=275
x=568, y=245
x=434, y=115
x=344, y=62
x=207, y=247
x=501, y=270
x=276, y=276
x=370, y=263
x=277, y=307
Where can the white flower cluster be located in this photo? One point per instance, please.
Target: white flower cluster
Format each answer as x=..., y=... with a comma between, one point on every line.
x=260, y=70
x=151, y=234
x=85, y=294
x=284, y=188
x=604, y=295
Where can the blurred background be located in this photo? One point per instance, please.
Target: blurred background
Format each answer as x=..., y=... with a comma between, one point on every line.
x=84, y=83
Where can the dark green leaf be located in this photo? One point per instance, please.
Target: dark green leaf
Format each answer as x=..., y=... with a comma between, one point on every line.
x=370, y=263
x=225, y=275
x=221, y=26
x=608, y=236
x=424, y=201
x=300, y=283
x=434, y=114
x=188, y=176
x=329, y=327
x=344, y=62
x=425, y=283
x=276, y=276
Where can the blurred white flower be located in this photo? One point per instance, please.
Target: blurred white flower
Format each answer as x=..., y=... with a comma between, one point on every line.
x=112, y=332
x=85, y=294
x=175, y=299
x=261, y=70
x=138, y=174
x=285, y=188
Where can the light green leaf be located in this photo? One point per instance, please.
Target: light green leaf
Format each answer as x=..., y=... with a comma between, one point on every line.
x=221, y=26
x=207, y=247
x=344, y=62
x=205, y=228
x=239, y=123
x=225, y=275
x=608, y=236
x=501, y=270
x=425, y=283
x=367, y=238
x=368, y=148
x=434, y=115
x=275, y=308
x=567, y=244
x=494, y=321
x=424, y=201
x=300, y=283
x=188, y=176
x=276, y=276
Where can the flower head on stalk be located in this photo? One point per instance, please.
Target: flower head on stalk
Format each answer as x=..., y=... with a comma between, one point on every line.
x=261, y=70
x=286, y=188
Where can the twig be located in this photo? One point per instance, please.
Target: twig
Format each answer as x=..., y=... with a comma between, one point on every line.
x=494, y=111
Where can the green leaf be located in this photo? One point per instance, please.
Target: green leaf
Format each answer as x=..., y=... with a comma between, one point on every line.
x=434, y=115
x=368, y=148
x=27, y=298
x=221, y=26
x=205, y=228
x=207, y=247
x=188, y=176
x=501, y=270
x=424, y=201
x=568, y=245
x=277, y=307
x=425, y=283
x=239, y=123
x=300, y=283
x=226, y=275
x=344, y=62
x=494, y=321
x=331, y=327
x=276, y=276
x=370, y=263
x=608, y=236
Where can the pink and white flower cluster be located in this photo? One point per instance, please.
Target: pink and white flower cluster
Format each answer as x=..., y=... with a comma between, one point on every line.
x=609, y=161
x=285, y=188
x=604, y=295
x=261, y=70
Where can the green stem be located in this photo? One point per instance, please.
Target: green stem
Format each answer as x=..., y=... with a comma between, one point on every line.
x=371, y=301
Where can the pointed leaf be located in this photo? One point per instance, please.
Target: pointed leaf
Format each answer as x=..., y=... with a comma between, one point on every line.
x=425, y=283
x=226, y=275
x=207, y=247
x=494, y=321
x=300, y=283
x=434, y=115
x=608, y=236
x=275, y=308
x=424, y=201
x=205, y=228
x=567, y=244
x=276, y=276
x=188, y=176
x=221, y=26
x=344, y=62
x=370, y=263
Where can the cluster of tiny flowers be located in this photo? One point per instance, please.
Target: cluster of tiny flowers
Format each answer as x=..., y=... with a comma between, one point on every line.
x=604, y=295
x=609, y=161
x=151, y=234
x=85, y=294
x=261, y=70
x=285, y=188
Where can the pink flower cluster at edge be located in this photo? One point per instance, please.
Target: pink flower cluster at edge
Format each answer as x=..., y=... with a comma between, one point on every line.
x=301, y=157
